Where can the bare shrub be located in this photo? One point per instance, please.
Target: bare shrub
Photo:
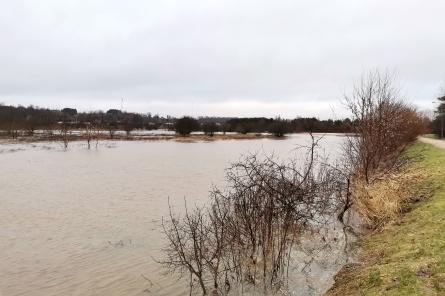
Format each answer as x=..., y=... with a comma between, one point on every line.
x=89, y=133
x=375, y=159
x=185, y=125
x=96, y=132
x=210, y=128
x=64, y=129
x=247, y=233
x=112, y=127
x=187, y=245
x=383, y=125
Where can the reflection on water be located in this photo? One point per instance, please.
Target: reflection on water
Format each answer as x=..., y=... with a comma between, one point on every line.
x=87, y=222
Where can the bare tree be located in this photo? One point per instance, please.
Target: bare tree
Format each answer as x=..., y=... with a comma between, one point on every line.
x=64, y=129
x=112, y=127
x=96, y=132
x=383, y=125
x=88, y=133
x=187, y=244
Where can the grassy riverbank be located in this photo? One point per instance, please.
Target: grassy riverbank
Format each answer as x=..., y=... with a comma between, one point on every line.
x=407, y=257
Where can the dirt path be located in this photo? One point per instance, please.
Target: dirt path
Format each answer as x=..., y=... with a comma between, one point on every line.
x=434, y=142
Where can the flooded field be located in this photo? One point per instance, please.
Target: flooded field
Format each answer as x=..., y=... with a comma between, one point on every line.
x=88, y=222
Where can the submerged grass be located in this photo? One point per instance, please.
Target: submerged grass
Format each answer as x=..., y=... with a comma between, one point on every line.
x=407, y=257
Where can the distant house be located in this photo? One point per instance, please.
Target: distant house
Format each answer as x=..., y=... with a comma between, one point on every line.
x=69, y=111
x=114, y=112
x=167, y=126
x=69, y=115
x=113, y=117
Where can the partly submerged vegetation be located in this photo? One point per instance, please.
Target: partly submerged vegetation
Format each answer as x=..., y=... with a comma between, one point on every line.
x=246, y=235
x=407, y=256
x=243, y=240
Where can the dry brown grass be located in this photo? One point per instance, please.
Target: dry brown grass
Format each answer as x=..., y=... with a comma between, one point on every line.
x=385, y=199
x=406, y=257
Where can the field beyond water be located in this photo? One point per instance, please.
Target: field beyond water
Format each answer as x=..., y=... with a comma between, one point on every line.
x=407, y=257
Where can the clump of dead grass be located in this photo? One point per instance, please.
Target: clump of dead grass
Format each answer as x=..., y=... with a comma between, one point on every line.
x=406, y=257
x=385, y=199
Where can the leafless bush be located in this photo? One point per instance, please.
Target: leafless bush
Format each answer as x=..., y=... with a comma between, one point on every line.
x=187, y=245
x=247, y=233
x=89, y=133
x=375, y=159
x=96, y=132
x=64, y=129
x=383, y=125
x=112, y=127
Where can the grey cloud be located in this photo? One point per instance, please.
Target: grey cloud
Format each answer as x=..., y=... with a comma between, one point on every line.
x=179, y=53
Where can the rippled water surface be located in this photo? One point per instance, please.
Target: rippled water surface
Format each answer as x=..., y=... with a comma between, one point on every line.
x=88, y=222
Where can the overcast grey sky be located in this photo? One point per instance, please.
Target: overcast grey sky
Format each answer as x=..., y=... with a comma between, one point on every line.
x=216, y=57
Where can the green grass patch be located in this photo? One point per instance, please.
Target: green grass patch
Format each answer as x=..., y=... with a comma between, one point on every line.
x=407, y=257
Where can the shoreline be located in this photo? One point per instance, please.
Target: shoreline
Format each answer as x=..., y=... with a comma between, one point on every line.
x=406, y=256
x=120, y=137
x=149, y=137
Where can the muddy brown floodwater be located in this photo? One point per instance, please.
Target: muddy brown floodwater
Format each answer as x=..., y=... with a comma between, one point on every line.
x=88, y=222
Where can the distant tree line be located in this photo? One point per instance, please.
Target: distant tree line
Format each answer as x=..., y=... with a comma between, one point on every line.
x=276, y=126
x=19, y=120
x=26, y=120
x=439, y=120
x=281, y=126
